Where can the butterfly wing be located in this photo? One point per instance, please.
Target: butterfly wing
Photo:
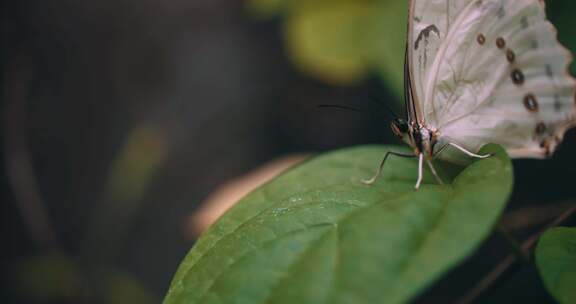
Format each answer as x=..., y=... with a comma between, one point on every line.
x=498, y=75
x=428, y=24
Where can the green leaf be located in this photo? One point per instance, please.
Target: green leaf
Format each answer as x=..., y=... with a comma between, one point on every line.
x=556, y=260
x=317, y=234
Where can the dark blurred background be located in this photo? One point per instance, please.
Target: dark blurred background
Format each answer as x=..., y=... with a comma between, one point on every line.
x=120, y=117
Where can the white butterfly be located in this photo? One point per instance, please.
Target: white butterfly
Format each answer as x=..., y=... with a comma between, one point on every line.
x=483, y=71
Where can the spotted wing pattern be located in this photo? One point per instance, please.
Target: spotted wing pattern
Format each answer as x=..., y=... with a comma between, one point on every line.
x=495, y=74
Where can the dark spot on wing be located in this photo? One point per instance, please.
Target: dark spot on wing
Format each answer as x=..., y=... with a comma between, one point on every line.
x=500, y=43
x=501, y=13
x=549, y=71
x=425, y=33
x=531, y=103
x=481, y=39
x=541, y=129
x=557, y=102
x=524, y=22
x=545, y=144
x=510, y=56
x=517, y=77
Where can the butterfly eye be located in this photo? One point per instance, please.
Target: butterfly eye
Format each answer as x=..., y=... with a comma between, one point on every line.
x=399, y=127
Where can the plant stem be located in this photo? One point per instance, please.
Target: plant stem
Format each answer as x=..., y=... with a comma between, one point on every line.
x=516, y=247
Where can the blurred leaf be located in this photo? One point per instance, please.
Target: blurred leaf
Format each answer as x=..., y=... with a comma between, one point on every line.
x=264, y=9
x=124, y=288
x=388, y=42
x=318, y=235
x=341, y=42
x=329, y=39
x=556, y=260
x=56, y=278
x=142, y=154
x=144, y=150
x=47, y=278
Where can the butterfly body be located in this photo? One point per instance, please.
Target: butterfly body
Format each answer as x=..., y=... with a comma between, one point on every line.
x=420, y=138
x=484, y=71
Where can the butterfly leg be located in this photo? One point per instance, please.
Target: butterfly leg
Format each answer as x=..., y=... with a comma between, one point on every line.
x=468, y=152
x=462, y=149
x=379, y=171
x=433, y=170
x=420, y=171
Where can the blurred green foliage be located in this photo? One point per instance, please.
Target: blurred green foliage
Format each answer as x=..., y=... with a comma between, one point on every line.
x=46, y=278
x=57, y=278
x=143, y=152
x=342, y=41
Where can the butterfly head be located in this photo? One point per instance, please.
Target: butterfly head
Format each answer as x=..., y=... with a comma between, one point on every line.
x=400, y=127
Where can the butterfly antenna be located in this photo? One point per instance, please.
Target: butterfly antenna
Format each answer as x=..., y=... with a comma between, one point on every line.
x=385, y=107
x=341, y=107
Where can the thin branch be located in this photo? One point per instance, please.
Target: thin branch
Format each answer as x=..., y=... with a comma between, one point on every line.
x=516, y=247
x=525, y=217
